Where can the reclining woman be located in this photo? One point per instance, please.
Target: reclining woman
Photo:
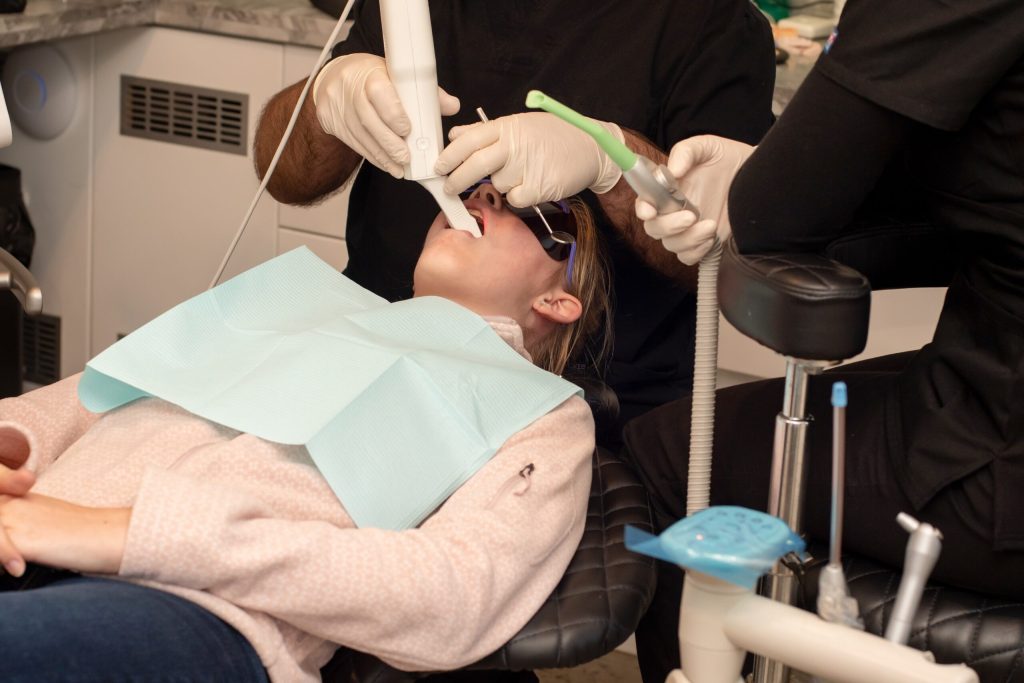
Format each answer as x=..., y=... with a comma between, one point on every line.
x=204, y=553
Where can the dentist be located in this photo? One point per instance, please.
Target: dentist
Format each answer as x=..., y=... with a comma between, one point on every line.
x=668, y=71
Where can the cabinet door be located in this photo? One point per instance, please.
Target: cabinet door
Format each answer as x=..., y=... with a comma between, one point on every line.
x=164, y=214
x=325, y=222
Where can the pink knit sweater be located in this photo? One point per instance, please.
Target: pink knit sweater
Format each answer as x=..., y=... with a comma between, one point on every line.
x=250, y=530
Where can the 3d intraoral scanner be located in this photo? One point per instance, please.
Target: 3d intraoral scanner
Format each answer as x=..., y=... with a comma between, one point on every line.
x=409, y=53
x=6, y=135
x=409, y=45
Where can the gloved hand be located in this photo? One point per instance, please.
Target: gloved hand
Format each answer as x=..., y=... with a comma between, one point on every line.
x=704, y=166
x=532, y=158
x=357, y=103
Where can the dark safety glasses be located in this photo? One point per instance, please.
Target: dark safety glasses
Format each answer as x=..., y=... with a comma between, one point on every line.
x=551, y=222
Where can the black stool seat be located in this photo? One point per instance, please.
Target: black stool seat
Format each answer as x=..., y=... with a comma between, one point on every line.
x=984, y=632
x=800, y=305
x=594, y=608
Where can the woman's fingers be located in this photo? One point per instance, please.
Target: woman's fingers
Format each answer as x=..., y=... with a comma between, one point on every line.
x=15, y=482
x=10, y=557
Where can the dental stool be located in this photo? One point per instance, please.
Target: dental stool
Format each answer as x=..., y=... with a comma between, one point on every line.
x=814, y=311
x=597, y=604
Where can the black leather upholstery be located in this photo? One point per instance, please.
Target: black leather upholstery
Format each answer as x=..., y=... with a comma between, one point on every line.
x=800, y=305
x=984, y=632
x=595, y=607
x=603, y=402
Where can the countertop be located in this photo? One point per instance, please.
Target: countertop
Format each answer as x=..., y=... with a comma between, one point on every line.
x=295, y=22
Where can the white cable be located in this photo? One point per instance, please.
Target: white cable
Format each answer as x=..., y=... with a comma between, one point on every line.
x=284, y=140
x=705, y=372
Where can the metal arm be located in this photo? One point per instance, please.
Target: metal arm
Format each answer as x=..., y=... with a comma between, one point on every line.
x=16, y=277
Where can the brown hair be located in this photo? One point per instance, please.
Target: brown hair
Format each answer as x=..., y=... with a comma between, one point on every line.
x=591, y=285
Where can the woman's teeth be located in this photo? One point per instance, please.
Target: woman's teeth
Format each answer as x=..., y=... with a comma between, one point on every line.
x=477, y=215
x=479, y=218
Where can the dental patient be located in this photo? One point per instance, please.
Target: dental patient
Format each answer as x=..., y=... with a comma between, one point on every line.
x=197, y=552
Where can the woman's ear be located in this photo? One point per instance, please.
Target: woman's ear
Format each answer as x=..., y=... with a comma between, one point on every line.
x=558, y=306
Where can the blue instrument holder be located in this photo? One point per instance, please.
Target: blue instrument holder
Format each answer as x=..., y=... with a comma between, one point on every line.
x=731, y=543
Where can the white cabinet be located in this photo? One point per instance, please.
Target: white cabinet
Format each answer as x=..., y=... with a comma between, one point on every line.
x=164, y=214
x=128, y=227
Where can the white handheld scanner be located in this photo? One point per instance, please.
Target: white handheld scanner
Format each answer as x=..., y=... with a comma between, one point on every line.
x=409, y=53
x=6, y=135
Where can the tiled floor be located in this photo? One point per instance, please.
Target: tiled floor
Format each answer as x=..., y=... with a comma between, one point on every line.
x=616, y=667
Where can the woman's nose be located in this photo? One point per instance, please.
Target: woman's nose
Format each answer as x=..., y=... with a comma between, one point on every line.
x=487, y=192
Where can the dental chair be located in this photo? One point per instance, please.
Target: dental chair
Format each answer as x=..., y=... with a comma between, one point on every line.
x=597, y=604
x=814, y=312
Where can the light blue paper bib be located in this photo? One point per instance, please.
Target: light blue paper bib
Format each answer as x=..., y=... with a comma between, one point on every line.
x=397, y=403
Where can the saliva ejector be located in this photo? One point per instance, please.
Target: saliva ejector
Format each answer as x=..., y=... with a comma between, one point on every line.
x=656, y=185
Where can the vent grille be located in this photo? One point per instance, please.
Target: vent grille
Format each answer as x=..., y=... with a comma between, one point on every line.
x=184, y=114
x=40, y=348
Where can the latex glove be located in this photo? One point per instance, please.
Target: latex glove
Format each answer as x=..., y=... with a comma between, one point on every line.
x=532, y=158
x=704, y=166
x=357, y=103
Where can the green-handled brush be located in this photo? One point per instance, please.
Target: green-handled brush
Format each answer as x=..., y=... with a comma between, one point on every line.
x=652, y=182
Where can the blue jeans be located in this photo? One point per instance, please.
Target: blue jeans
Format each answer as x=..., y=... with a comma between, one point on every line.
x=76, y=629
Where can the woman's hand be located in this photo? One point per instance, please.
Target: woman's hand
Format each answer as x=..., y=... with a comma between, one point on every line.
x=15, y=480
x=60, y=534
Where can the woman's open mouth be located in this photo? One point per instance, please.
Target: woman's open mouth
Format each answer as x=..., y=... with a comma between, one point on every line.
x=477, y=215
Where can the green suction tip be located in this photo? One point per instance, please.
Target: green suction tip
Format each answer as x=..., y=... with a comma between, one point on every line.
x=623, y=156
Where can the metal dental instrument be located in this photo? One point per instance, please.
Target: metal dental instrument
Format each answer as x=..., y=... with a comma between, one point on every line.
x=557, y=235
x=922, y=553
x=409, y=53
x=834, y=601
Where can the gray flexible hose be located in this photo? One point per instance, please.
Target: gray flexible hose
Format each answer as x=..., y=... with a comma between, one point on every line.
x=705, y=374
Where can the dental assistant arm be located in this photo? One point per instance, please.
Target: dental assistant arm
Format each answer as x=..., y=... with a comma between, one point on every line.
x=814, y=169
x=618, y=203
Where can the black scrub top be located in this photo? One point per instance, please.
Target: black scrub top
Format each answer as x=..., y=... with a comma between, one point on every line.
x=665, y=68
x=956, y=70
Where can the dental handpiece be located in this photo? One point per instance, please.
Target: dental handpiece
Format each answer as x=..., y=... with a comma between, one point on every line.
x=922, y=553
x=656, y=185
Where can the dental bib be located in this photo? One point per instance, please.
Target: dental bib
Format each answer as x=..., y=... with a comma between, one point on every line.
x=398, y=404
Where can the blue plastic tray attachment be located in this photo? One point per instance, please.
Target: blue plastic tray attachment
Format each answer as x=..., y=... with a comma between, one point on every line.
x=731, y=543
